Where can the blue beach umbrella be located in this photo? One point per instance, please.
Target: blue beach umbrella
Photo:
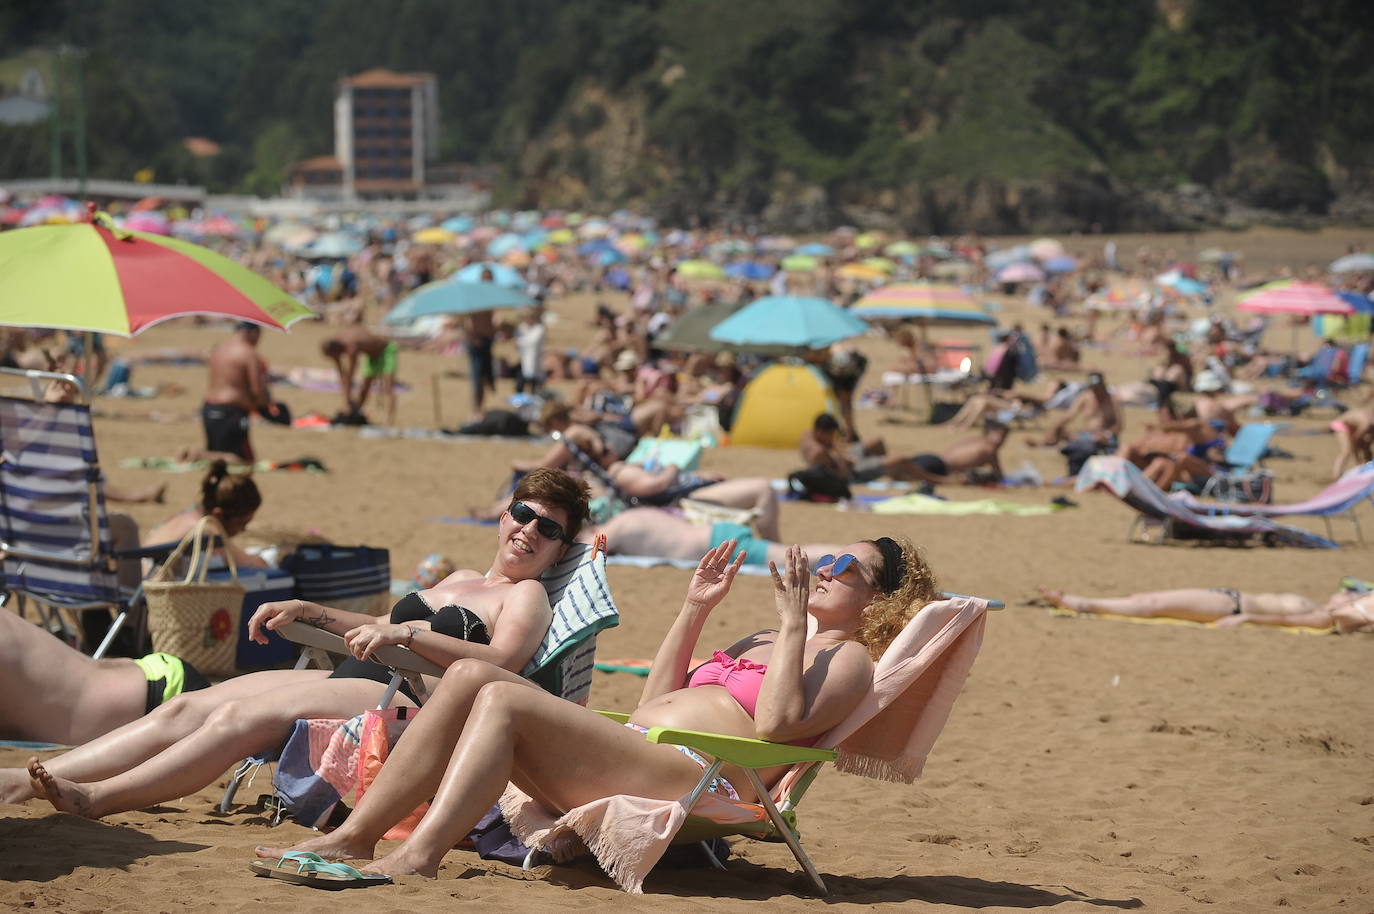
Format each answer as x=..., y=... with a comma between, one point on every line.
x=501, y=274
x=1360, y=303
x=788, y=320
x=502, y=245
x=458, y=225
x=608, y=257
x=450, y=297
x=816, y=249
x=749, y=269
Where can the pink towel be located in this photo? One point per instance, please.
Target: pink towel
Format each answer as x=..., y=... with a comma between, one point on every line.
x=888, y=736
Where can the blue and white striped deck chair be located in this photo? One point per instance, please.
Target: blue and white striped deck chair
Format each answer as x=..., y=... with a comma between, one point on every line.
x=53, y=526
x=583, y=606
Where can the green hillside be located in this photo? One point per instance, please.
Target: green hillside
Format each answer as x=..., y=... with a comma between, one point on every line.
x=933, y=115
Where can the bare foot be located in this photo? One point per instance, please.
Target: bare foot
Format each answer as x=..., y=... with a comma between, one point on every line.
x=1060, y=599
x=64, y=795
x=160, y=494
x=399, y=863
x=15, y=786
x=333, y=847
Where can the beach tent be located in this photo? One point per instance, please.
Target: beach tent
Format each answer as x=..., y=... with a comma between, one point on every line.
x=781, y=403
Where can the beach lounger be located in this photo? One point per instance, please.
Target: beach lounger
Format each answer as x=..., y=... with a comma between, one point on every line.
x=1173, y=519
x=887, y=737
x=583, y=606
x=587, y=462
x=1342, y=497
x=1245, y=452
x=54, y=529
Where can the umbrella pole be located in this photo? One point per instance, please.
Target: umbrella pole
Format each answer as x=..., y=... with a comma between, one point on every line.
x=434, y=390
x=88, y=355
x=929, y=387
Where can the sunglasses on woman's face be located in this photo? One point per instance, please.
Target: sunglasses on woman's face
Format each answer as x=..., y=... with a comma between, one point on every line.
x=838, y=565
x=548, y=528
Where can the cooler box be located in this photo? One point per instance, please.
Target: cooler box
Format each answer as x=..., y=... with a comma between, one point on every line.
x=262, y=585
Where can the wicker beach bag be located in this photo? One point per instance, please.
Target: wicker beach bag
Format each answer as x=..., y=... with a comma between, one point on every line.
x=193, y=619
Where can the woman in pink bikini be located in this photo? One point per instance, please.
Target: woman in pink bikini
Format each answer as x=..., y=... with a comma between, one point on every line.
x=484, y=727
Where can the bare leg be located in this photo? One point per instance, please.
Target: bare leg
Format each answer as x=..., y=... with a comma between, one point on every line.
x=562, y=754
x=231, y=732
x=1194, y=605
x=146, y=736
x=754, y=493
x=54, y=693
x=421, y=756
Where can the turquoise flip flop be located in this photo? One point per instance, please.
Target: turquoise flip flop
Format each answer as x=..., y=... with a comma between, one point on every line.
x=305, y=868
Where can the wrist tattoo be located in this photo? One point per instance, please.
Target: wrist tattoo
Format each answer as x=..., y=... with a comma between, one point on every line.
x=319, y=621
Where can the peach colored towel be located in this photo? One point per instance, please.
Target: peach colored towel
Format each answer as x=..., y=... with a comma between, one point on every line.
x=888, y=736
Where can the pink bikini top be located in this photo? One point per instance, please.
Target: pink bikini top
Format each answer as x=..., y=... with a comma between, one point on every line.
x=742, y=678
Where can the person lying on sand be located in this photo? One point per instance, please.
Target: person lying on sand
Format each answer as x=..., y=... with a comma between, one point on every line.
x=485, y=727
x=820, y=447
x=56, y=694
x=653, y=531
x=498, y=617
x=1227, y=608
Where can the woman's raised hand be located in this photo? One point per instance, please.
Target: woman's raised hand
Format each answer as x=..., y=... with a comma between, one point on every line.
x=714, y=575
x=271, y=616
x=792, y=586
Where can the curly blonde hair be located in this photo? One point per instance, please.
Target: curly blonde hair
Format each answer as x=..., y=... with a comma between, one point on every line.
x=888, y=614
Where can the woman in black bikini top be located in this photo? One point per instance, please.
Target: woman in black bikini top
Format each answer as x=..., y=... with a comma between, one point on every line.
x=187, y=743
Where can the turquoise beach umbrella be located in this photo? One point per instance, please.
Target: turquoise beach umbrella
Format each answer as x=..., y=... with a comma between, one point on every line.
x=788, y=320
x=450, y=297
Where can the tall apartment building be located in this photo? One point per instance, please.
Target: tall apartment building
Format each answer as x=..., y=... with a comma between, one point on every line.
x=386, y=131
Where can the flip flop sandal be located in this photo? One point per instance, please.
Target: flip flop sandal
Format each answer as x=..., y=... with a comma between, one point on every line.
x=305, y=868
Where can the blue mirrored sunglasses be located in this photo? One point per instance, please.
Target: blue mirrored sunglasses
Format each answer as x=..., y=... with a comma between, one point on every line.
x=841, y=565
x=548, y=528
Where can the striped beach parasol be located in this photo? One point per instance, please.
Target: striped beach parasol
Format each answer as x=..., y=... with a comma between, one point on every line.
x=1290, y=296
x=95, y=278
x=929, y=303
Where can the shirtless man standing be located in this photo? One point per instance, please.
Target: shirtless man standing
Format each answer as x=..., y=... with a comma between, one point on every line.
x=379, y=356
x=237, y=387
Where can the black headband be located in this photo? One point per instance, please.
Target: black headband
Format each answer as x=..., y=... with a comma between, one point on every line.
x=894, y=564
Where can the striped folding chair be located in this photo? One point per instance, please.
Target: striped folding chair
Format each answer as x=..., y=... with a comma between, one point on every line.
x=54, y=530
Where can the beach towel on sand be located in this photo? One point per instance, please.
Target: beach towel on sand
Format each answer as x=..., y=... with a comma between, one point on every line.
x=916, y=503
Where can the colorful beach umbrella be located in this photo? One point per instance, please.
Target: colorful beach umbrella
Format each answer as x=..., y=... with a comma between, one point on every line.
x=1359, y=262
x=700, y=269
x=816, y=249
x=433, y=235
x=902, y=249
x=788, y=320
x=88, y=277
x=456, y=297
x=1289, y=296
x=749, y=269
x=860, y=271
x=881, y=264
x=501, y=274
x=799, y=263
x=928, y=303
x=1020, y=271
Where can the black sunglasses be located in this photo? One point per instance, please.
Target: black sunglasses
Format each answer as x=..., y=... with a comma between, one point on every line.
x=841, y=564
x=548, y=528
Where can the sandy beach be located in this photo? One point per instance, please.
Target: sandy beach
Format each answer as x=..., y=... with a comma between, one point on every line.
x=1090, y=764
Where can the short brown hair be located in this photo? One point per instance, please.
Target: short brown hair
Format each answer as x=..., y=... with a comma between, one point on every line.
x=557, y=490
